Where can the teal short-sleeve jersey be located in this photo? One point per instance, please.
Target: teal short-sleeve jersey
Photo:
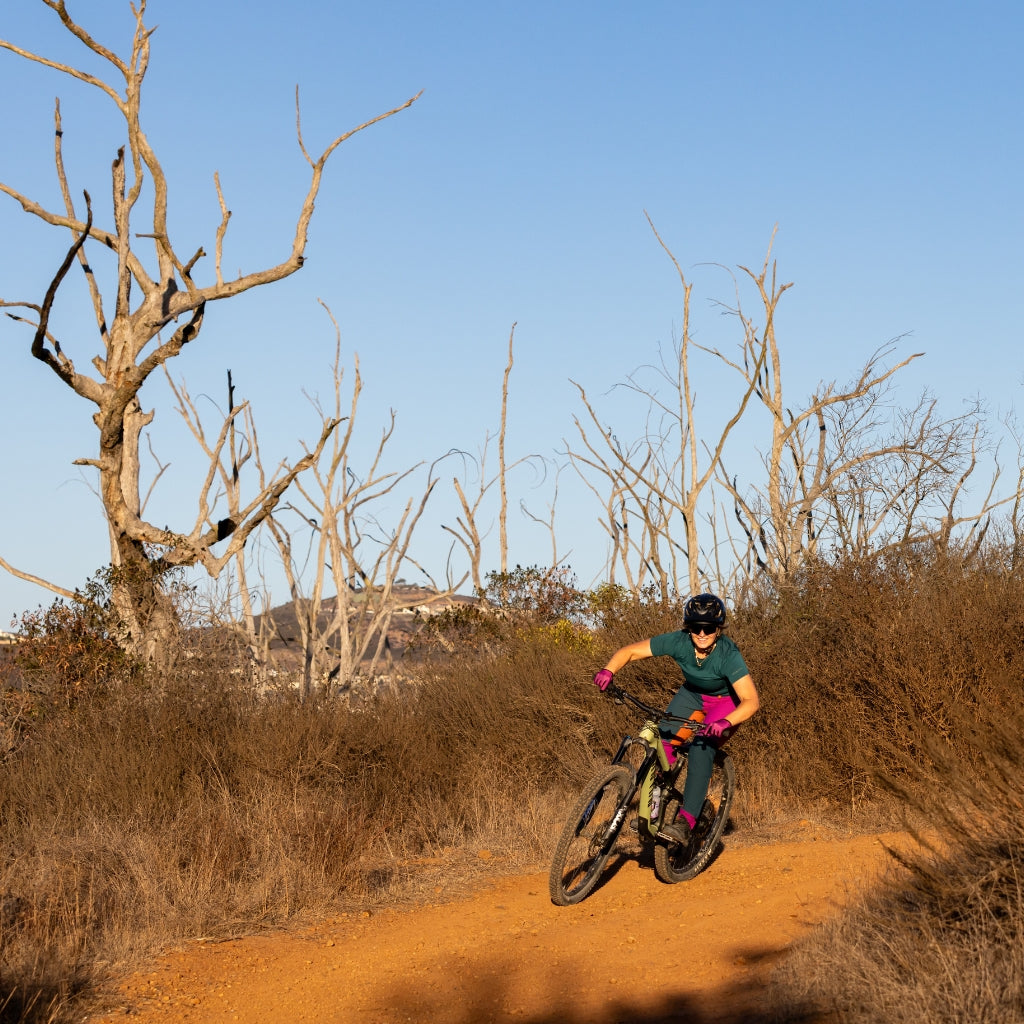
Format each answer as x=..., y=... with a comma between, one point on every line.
x=722, y=667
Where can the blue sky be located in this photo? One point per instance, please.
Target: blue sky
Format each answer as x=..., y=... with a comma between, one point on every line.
x=882, y=140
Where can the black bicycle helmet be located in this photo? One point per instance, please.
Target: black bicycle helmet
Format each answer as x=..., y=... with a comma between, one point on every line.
x=704, y=610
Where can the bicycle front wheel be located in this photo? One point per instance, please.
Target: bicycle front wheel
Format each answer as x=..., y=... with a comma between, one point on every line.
x=679, y=862
x=588, y=837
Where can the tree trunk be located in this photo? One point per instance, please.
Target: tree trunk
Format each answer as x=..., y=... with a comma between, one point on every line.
x=147, y=622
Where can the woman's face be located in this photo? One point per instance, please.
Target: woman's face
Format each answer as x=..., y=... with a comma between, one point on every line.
x=703, y=637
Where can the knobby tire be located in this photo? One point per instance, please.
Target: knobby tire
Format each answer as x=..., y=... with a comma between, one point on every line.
x=588, y=838
x=679, y=862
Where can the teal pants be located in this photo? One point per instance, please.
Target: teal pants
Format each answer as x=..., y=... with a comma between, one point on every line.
x=702, y=750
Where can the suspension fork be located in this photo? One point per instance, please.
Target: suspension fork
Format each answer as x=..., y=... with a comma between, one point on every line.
x=627, y=742
x=643, y=776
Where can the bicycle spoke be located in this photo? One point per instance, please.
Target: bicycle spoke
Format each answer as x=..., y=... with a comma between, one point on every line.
x=588, y=838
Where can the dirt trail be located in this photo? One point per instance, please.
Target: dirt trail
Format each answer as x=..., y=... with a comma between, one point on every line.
x=628, y=953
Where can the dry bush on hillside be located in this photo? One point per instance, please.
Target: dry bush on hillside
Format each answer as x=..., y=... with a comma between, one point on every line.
x=148, y=813
x=133, y=821
x=942, y=939
x=845, y=656
x=145, y=814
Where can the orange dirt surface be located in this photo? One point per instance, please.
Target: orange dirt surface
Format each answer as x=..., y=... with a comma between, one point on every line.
x=636, y=950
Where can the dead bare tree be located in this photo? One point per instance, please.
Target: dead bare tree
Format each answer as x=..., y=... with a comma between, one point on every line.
x=779, y=517
x=968, y=529
x=502, y=468
x=147, y=301
x=913, y=481
x=1014, y=528
x=228, y=460
x=879, y=486
x=851, y=472
x=558, y=558
x=467, y=528
x=654, y=485
x=351, y=552
x=634, y=521
x=782, y=518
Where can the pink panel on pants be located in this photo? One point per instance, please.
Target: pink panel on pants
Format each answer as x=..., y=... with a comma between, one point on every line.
x=717, y=707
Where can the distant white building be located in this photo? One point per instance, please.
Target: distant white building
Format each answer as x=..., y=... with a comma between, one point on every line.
x=8, y=638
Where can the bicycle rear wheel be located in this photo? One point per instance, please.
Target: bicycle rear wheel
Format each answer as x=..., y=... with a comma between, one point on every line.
x=589, y=836
x=679, y=862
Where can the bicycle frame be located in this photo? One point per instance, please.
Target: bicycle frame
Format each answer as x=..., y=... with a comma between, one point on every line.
x=644, y=774
x=655, y=762
x=596, y=820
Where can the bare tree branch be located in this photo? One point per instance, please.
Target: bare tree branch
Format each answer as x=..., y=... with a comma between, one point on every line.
x=144, y=304
x=37, y=580
x=659, y=480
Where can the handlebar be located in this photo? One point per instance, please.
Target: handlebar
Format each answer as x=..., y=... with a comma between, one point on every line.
x=622, y=696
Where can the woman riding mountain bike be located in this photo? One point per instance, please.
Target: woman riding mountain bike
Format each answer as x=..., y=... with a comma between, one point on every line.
x=717, y=689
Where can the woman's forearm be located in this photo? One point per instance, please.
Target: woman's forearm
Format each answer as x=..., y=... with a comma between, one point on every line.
x=749, y=701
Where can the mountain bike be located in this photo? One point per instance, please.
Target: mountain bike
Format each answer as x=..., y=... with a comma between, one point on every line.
x=641, y=779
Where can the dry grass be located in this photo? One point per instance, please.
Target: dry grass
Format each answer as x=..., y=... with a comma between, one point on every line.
x=134, y=817
x=942, y=939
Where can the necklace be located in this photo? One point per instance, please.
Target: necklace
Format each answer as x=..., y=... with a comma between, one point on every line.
x=701, y=656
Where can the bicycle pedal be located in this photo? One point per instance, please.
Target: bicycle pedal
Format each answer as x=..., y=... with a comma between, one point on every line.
x=634, y=825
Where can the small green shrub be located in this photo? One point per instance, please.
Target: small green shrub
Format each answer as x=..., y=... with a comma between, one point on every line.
x=69, y=650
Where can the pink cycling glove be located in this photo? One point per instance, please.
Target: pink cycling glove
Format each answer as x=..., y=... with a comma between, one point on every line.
x=716, y=729
x=602, y=679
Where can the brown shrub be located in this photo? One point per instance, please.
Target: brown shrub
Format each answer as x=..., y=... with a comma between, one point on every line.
x=852, y=652
x=942, y=939
x=148, y=812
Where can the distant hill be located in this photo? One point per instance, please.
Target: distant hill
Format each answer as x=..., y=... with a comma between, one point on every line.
x=417, y=602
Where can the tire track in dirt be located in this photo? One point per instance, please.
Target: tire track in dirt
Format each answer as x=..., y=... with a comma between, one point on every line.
x=504, y=954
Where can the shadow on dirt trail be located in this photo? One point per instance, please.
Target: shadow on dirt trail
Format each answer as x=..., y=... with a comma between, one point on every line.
x=500, y=998
x=487, y=1006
